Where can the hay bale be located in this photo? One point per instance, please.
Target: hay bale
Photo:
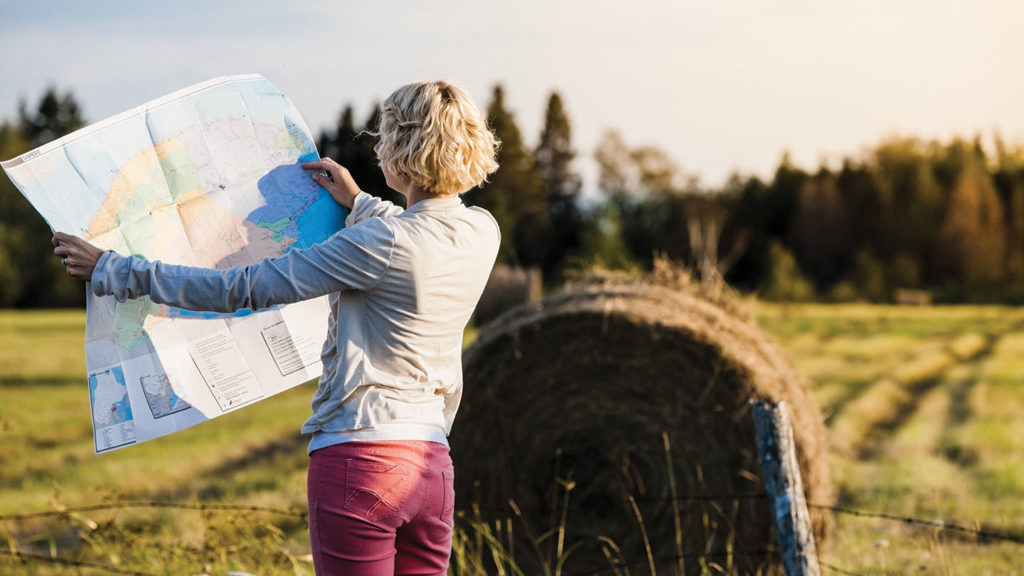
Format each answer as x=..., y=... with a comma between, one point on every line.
x=583, y=385
x=508, y=287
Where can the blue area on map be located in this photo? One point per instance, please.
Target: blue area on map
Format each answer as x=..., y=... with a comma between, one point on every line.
x=321, y=221
x=288, y=190
x=182, y=313
x=296, y=208
x=123, y=408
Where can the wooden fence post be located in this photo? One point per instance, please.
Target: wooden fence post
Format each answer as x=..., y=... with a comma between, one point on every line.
x=782, y=480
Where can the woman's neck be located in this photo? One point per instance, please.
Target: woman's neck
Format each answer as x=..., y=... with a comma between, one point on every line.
x=414, y=194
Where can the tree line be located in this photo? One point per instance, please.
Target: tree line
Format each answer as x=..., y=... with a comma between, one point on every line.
x=30, y=275
x=943, y=218
x=946, y=218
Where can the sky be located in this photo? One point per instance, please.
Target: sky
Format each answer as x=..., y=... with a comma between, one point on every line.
x=722, y=86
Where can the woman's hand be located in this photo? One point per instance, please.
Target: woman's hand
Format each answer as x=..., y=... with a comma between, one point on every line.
x=336, y=179
x=76, y=254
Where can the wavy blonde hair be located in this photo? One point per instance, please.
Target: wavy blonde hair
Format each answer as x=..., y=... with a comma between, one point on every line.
x=433, y=134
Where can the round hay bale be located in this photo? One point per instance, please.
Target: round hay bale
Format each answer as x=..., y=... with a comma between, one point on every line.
x=580, y=389
x=508, y=287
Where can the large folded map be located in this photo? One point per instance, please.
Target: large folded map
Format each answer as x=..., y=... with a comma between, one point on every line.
x=207, y=176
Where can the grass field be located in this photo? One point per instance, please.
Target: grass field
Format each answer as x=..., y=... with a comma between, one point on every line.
x=923, y=406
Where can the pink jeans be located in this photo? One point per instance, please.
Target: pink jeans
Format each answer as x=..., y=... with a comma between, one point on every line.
x=379, y=508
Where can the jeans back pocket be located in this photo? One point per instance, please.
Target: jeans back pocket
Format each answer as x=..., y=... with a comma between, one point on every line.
x=375, y=490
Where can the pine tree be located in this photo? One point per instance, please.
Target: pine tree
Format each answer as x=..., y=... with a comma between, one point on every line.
x=553, y=157
x=367, y=172
x=55, y=116
x=821, y=229
x=340, y=145
x=910, y=202
x=515, y=194
x=1009, y=181
x=353, y=148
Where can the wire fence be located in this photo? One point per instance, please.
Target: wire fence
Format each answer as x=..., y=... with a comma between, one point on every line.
x=198, y=506
x=614, y=566
x=109, y=568
x=980, y=533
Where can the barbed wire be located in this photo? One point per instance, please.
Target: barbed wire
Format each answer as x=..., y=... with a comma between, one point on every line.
x=832, y=568
x=29, y=557
x=615, y=565
x=704, y=498
x=199, y=506
x=935, y=523
x=983, y=533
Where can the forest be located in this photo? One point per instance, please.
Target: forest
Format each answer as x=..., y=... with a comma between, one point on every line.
x=940, y=220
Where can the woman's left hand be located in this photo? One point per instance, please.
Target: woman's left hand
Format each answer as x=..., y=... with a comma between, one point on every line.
x=76, y=254
x=339, y=184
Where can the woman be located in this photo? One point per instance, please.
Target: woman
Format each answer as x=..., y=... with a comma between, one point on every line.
x=402, y=286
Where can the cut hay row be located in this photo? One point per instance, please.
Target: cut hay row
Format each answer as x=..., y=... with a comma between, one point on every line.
x=872, y=415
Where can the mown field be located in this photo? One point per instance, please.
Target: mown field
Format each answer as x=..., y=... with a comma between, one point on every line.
x=924, y=407
x=924, y=413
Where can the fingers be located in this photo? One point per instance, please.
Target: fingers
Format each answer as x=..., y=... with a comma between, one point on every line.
x=327, y=173
x=62, y=244
x=78, y=256
x=323, y=164
x=70, y=259
x=78, y=272
x=323, y=176
x=322, y=172
x=60, y=238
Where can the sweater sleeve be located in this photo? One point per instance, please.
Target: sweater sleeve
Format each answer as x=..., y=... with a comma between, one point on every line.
x=369, y=206
x=355, y=258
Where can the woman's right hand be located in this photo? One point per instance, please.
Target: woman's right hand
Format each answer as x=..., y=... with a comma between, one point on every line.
x=77, y=255
x=340, y=184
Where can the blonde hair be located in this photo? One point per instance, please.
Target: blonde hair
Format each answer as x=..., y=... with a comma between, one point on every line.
x=433, y=134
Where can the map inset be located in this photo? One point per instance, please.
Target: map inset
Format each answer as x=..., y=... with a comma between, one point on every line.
x=109, y=395
x=160, y=395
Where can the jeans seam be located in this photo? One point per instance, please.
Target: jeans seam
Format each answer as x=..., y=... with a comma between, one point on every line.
x=445, y=495
x=319, y=538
